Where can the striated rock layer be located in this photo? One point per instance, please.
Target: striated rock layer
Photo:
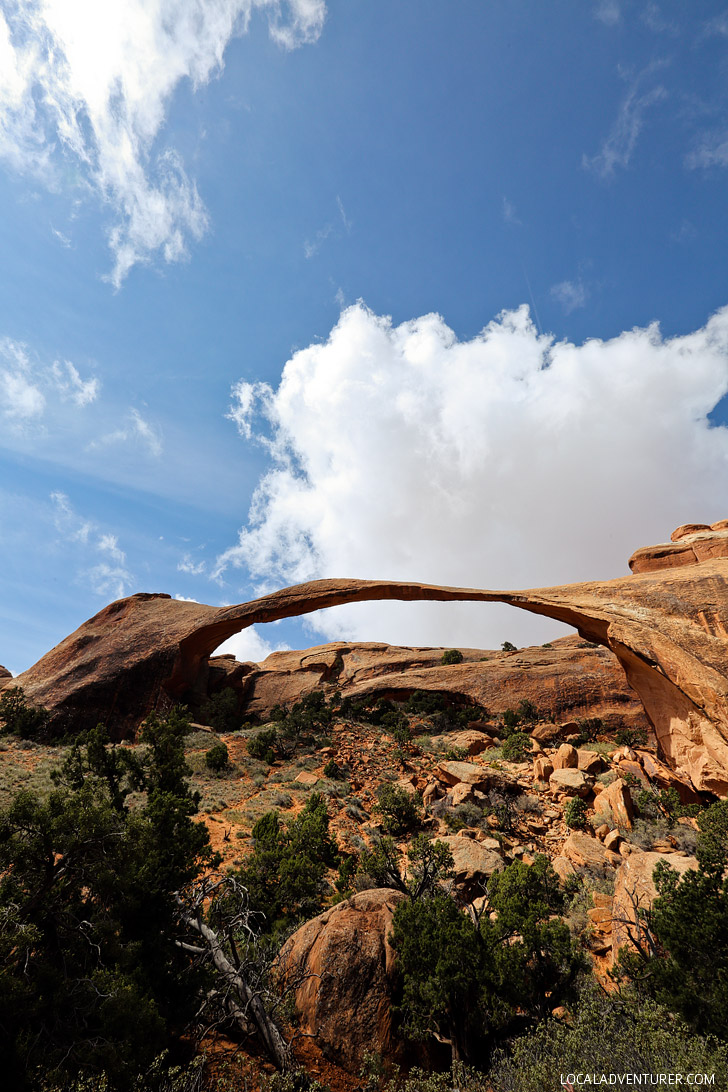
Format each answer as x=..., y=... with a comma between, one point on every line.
x=565, y=681
x=668, y=628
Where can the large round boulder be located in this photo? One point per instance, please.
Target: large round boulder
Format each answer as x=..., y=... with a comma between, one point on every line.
x=341, y=968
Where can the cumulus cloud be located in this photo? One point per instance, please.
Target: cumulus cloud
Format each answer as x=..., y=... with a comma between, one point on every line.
x=250, y=645
x=26, y=385
x=509, y=460
x=86, y=85
x=619, y=145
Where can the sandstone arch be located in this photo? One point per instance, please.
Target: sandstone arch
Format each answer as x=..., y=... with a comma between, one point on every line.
x=667, y=625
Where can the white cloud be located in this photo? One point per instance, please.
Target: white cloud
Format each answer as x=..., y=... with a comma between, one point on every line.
x=510, y=215
x=187, y=565
x=711, y=151
x=510, y=460
x=81, y=392
x=617, y=149
x=26, y=385
x=136, y=430
x=249, y=645
x=88, y=84
x=108, y=576
x=570, y=294
x=608, y=12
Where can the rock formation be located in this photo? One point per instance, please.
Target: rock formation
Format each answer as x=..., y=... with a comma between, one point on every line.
x=341, y=966
x=667, y=625
x=565, y=681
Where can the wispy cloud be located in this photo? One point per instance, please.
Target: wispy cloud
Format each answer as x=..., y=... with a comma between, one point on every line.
x=711, y=150
x=136, y=430
x=509, y=213
x=608, y=12
x=102, y=563
x=90, y=85
x=311, y=247
x=619, y=146
x=27, y=386
x=192, y=568
x=570, y=294
x=653, y=17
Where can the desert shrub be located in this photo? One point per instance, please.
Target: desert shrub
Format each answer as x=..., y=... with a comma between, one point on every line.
x=516, y=747
x=429, y=862
x=589, y=729
x=607, y=1033
x=217, y=758
x=261, y=745
x=527, y=711
x=631, y=737
x=469, y=982
x=221, y=711
x=510, y=719
x=332, y=770
x=575, y=813
x=654, y=803
x=401, y=811
x=507, y=646
x=285, y=875
x=20, y=717
x=91, y=980
x=452, y=656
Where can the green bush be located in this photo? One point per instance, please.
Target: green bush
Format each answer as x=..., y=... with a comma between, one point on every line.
x=261, y=745
x=332, y=770
x=91, y=980
x=218, y=758
x=452, y=656
x=285, y=874
x=575, y=813
x=631, y=737
x=469, y=982
x=21, y=717
x=607, y=1033
x=508, y=647
x=221, y=711
x=401, y=811
x=517, y=747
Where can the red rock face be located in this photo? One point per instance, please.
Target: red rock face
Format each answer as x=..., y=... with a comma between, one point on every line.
x=565, y=682
x=667, y=626
x=688, y=545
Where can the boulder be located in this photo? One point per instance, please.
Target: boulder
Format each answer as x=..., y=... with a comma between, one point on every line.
x=589, y=853
x=470, y=741
x=665, y=778
x=589, y=761
x=450, y=773
x=463, y=793
x=566, y=758
x=614, y=803
x=474, y=863
x=634, y=889
x=542, y=768
x=341, y=968
x=570, y=782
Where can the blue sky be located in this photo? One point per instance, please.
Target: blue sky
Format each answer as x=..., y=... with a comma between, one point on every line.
x=437, y=287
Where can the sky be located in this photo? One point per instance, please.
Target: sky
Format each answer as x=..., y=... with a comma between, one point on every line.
x=292, y=289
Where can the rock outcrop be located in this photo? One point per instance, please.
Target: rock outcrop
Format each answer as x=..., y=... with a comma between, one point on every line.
x=635, y=890
x=341, y=968
x=667, y=627
x=566, y=681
